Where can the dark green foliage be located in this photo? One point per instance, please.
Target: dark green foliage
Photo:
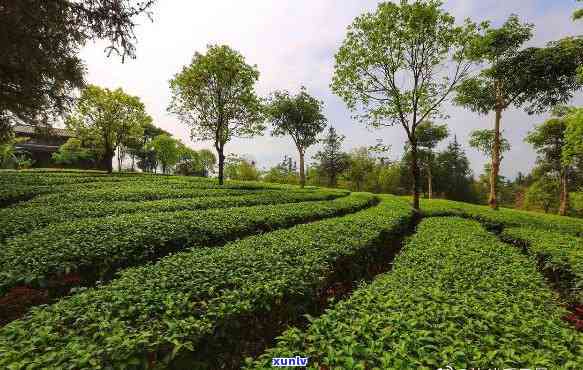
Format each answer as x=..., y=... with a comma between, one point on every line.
x=456, y=296
x=453, y=176
x=186, y=301
x=298, y=116
x=103, y=245
x=40, y=43
x=331, y=160
x=561, y=255
x=73, y=153
x=16, y=220
x=504, y=217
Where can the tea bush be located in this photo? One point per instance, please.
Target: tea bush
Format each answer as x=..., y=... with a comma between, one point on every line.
x=158, y=313
x=17, y=220
x=502, y=217
x=456, y=296
x=96, y=247
x=560, y=254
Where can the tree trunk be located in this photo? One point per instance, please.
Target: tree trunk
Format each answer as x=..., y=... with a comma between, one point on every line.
x=495, y=166
x=221, y=165
x=302, y=171
x=415, y=173
x=119, y=160
x=332, y=181
x=429, y=182
x=107, y=161
x=564, y=207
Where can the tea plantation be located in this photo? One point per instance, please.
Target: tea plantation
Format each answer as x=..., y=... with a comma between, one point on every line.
x=140, y=271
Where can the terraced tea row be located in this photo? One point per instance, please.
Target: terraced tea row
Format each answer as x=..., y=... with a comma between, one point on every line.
x=95, y=248
x=559, y=254
x=456, y=296
x=17, y=220
x=78, y=188
x=189, y=304
x=504, y=217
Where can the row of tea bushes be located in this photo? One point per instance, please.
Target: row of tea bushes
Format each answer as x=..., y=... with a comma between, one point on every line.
x=137, y=194
x=456, y=296
x=25, y=186
x=503, y=217
x=95, y=248
x=197, y=302
x=20, y=220
x=561, y=255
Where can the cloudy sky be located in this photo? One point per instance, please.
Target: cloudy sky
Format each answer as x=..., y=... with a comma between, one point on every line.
x=293, y=43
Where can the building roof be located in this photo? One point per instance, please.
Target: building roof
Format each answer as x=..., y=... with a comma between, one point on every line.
x=53, y=131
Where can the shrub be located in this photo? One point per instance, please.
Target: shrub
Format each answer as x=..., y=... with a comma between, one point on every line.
x=18, y=220
x=456, y=296
x=559, y=254
x=153, y=314
x=504, y=217
x=96, y=247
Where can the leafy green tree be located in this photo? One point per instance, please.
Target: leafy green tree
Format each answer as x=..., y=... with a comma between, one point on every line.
x=533, y=78
x=208, y=161
x=138, y=149
x=387, y=67
x=542, y=194
x=483, y=141
x=453, y=172
x=390, y=179
x=241, y=169
x=13, y=158
x=332, y=161
x=40, y=66
x=167, y=150
x=578, y=14
x=215, y=96
x=284, y=173
x=549, y=141
x=429, y=135
x=361, y=164
x=573, y=136
x=73, y=152
x=106, y=119
x=299, y=116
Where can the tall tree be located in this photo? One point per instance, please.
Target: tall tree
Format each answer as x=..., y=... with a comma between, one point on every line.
x=454, y=173
x=483, y=141
x=138, y=149
x=360, y=166
x=39, y=63
x=167, y=151
x=299, y=116
x=391, y=70
x=549, y=140
x=429, y=135
x=533, y=78
x=215, y=96
x=332, y=160
x=106, y=119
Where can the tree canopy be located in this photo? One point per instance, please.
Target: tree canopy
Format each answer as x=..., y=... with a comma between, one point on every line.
x=332, y=161
x=535, y=79
x=40, y=65
x=483, y=141
x=105, y=119
x=299, y=116
x=215, y=96
x=388, y=67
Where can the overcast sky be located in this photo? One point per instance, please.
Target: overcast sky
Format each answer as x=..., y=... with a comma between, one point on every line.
x=293, y=43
